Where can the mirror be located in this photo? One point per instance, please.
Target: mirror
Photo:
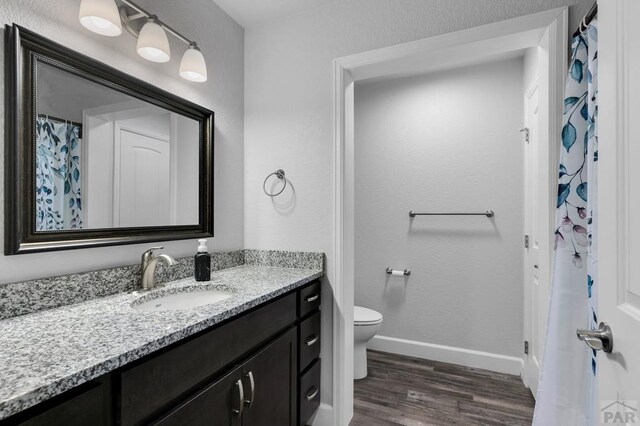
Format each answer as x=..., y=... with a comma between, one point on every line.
x=107, y=159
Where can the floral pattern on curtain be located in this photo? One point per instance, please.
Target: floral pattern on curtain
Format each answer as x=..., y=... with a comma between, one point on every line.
x=58, y=195
x=567, y=387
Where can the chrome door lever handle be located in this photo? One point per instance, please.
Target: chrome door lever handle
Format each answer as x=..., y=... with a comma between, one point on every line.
x=600, y=339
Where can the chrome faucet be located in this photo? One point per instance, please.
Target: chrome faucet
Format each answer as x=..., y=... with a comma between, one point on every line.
x=148, y=266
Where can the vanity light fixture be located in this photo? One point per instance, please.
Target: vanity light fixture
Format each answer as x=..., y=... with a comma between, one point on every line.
x=153, y=44
x=193, y=67
x=105, y=17
x=100, y=16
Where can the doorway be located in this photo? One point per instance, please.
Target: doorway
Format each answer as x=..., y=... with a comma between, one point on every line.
x=544, y=31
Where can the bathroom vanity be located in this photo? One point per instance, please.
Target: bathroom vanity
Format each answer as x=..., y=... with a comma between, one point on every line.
x=94, y=162
x=252, y=359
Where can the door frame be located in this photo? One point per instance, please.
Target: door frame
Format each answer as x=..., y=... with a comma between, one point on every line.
x=529, y=213
x=445, y=51
x=111, y=114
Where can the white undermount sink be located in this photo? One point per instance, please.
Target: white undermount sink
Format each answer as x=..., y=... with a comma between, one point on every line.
x=187, y=299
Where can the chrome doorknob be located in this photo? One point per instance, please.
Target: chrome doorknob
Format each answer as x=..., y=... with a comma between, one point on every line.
x=600, y=339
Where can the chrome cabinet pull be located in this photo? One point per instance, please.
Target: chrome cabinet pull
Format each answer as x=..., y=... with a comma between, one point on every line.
x=312, y=340
x=252, y=383
x=600, y=339
x=240, y=390
x=313, y=392
x=313, y=298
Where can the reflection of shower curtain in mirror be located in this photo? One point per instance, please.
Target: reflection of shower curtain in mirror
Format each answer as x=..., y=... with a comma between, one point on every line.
x=58, y=200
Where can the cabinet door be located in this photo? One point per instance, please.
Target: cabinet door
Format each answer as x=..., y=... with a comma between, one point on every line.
x=88, y=404
x=270, y=384
x=219, y=404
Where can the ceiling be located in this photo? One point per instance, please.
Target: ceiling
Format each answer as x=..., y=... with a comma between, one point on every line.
x=250, y=12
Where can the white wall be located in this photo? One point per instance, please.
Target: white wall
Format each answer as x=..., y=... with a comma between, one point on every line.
x=98, y=157
x=188, y=168
x=222, y=41
x=64, y=95
x=288, y=106
x=156, y=124
x=447, y=141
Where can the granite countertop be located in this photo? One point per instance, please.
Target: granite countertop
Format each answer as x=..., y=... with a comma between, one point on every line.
x=46, y=353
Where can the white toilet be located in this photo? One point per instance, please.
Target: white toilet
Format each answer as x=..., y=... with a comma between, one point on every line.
x=366, y=323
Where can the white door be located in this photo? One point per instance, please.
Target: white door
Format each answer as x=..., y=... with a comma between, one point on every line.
x=143, y=198
x=535, y=264
x=619, y=209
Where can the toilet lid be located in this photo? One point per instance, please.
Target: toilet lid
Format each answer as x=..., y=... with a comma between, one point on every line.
x=365, y=315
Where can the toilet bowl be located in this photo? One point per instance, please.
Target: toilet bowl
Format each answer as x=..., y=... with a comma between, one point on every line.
x=366, y=323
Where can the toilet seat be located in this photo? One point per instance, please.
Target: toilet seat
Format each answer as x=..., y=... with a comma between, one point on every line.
x=366, y=316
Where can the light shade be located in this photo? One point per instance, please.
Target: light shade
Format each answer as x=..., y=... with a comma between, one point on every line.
x=153, y=44
x=100, y=16
x=193, y=67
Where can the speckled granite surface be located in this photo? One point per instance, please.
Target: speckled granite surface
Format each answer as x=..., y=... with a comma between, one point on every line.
x=48, y=352
x=36, y=295
x=285, y=259
x=26, y=297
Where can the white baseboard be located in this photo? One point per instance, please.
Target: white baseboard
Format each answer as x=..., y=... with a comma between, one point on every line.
x=324, y=416
x=467, y=357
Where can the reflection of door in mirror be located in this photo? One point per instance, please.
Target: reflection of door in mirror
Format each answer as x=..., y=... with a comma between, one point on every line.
x=144, y=174
x=111, y=160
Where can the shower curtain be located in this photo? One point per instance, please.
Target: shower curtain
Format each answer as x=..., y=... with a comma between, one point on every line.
x=58, y=197
x=567, y=386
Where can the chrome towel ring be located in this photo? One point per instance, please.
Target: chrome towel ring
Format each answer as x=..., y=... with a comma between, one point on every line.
x=280, y=175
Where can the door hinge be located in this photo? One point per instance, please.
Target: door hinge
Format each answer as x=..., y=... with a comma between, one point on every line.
x=526, y=241
x=526, y=347
x=526, y=133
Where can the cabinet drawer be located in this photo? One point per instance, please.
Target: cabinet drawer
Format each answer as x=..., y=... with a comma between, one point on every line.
x=308, y=299
x=152, y=385
x=309, y=340
x=309, y=393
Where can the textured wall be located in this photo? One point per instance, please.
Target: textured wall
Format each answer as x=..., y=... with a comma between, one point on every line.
x=447, y=141
x=288, y=105
x=222, y=42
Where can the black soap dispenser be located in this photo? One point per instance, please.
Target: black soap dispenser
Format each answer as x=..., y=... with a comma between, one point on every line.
x=202, y=262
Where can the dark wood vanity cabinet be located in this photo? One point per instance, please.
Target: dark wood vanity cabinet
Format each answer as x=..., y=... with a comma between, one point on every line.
x=146, y=388
x=259, y=368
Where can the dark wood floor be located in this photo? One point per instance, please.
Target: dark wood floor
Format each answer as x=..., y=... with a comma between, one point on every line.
x=408, y=391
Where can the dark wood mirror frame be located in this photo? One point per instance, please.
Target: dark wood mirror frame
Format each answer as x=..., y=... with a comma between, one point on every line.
x=24, y=49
